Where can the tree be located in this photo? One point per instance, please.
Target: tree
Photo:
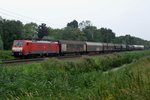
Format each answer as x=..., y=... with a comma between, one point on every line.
x=30, y=31
x=1, y=31
x=12, y=30
x=104, y=35
x=90, y=32
x=85, y=24
x=1, y=28
x=127, y=39
x=1, y=43
x=72, y=34
x=73, y=24
x=42, y=31
x=55, y=34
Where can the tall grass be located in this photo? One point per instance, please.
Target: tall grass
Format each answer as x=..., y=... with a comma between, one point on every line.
x=85, y=79
x=5, y=54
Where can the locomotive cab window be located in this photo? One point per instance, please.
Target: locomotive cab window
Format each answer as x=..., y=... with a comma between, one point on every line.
x=18, y=43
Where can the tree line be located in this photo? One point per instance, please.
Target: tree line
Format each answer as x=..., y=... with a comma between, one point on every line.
x=11, y=30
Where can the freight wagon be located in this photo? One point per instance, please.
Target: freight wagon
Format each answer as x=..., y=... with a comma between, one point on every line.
x=72, y=47
x=94, y=47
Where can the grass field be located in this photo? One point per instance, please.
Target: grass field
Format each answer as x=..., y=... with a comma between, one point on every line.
x=5, y=55
x=90, y=78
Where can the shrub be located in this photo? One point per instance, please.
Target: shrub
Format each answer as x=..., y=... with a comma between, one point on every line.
x=84, y=79
x=5, y=55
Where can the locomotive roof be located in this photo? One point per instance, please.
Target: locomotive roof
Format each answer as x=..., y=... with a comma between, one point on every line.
x=45, y=41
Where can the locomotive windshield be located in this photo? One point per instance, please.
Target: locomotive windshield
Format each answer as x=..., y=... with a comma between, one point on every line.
x=18, y=43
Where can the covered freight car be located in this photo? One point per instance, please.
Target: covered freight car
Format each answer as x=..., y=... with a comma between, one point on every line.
x=72, y=46
x=118, y=47
x=94, y=47
x=123, y=47
x=108, y=47
x=138, y=47
x=130, y=47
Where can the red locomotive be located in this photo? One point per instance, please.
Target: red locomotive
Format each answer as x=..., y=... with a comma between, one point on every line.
x=28, y=47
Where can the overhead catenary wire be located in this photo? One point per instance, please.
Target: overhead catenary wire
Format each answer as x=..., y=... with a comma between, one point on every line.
x=23, y=17
x=12, y=17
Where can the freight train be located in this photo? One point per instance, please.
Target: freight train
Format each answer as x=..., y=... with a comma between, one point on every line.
x=26, y=48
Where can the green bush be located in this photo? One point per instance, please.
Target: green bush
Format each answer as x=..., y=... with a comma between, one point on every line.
x=5, y=55
x=84, y=79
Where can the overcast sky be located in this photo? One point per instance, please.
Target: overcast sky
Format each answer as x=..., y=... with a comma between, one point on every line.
x=122, y=16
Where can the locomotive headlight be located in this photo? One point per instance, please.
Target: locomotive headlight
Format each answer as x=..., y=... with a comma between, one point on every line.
x=16, y=49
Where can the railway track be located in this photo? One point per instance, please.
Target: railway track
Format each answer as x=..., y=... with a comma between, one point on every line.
x=20, y=60
x=16, y=61
x=67, y=57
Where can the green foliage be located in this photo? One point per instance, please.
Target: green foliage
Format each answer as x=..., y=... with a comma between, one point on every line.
x=5, y=54
x=67, y=33
x=132, y=40
x=85, y=24
x=73, y=24
x=11, y=30
x=1, y=43
x=54, y=34
x=99, y=35
x=42, y=31
x=90, y=32
x=1, y=31
x=30, y=31
x=72, y=34
x=130, y=82
x=84, y=79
